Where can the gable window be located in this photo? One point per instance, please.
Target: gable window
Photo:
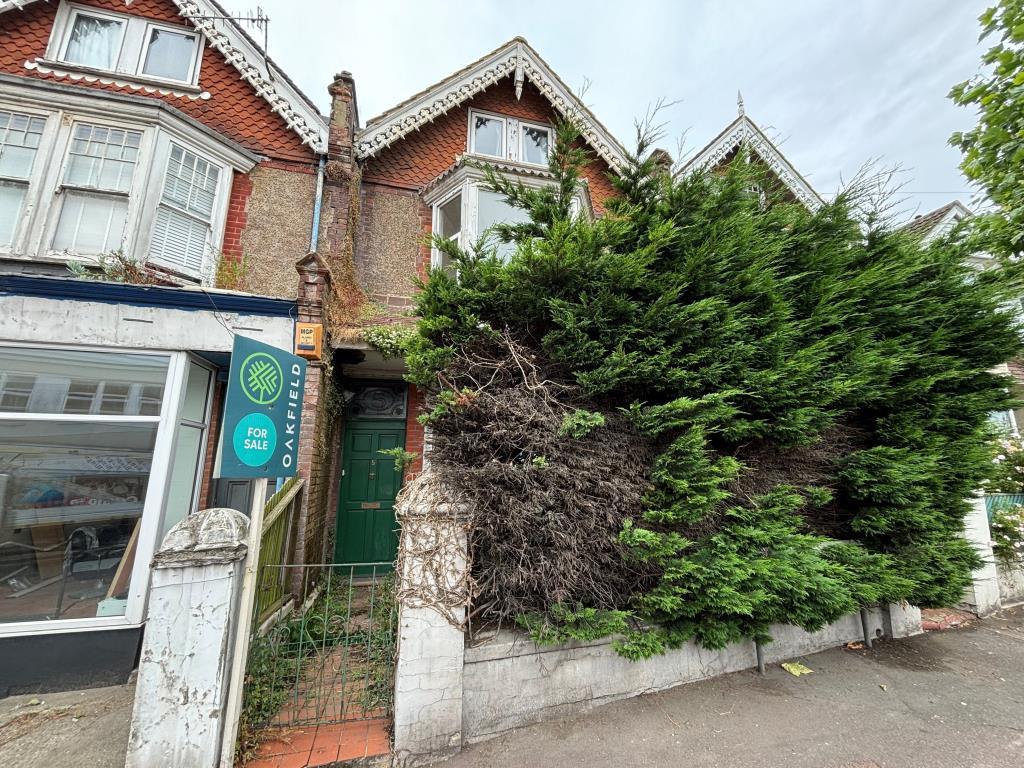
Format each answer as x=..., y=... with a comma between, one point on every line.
x=509, y=138
x=132, y=46
x=169, y=54
x=94, y=41
x=184, y=217
x=20, y=136
x=97, y=178
x=488, y=135
x=535, y=143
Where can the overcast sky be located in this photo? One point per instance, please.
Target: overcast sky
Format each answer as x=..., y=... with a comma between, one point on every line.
x=835, y=82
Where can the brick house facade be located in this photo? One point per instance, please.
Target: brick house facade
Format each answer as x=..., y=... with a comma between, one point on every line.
x=153, y=130
x=384, y=183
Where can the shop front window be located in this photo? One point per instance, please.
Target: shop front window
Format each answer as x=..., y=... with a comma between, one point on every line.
x=78, y=432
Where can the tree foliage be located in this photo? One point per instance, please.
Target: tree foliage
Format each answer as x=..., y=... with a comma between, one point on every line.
x=811, y=390
x=994, y=149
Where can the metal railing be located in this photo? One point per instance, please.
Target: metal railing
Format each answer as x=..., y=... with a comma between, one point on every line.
x=277, y=546
x=333, y=660
x=994, y=501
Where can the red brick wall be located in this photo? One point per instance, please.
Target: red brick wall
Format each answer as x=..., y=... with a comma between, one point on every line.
x=414, y=432
x=212, y=438
x=234, y=108
x=241, y=188
x=416, y=160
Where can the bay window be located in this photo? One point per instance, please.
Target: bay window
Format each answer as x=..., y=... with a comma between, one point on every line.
x=78, y=186
x=181, y=233
x=466, y=211
x=20, y=136
x=97, y=179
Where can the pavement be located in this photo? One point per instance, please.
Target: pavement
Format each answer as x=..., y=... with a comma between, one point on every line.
x=75, y=729
x=952, y=698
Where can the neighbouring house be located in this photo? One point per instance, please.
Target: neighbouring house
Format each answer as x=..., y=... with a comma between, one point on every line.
x=409, y=173
x=153, y=137
x=744, y=134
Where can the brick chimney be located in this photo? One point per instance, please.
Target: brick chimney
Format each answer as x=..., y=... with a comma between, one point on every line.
x=341, y=177
x=344, y=118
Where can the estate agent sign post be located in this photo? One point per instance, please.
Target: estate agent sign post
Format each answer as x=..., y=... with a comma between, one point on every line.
x=262, y=416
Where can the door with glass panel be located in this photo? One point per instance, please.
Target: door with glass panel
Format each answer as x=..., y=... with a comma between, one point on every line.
x=78, y=430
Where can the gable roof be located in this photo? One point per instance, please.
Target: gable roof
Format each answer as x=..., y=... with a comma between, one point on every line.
x=252, y=63
x=516, y=59
x=744, y=131
x=935, y=223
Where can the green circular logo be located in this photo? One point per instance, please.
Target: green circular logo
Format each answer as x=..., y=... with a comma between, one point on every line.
x=261, y=378
x=255, y=439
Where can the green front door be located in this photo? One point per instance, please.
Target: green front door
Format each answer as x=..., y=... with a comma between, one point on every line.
x=367, y=531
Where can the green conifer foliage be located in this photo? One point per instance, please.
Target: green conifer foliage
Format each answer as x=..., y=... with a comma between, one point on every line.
x=815, y=386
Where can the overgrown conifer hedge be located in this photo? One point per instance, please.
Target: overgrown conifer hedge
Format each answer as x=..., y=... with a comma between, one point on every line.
x=710, y=410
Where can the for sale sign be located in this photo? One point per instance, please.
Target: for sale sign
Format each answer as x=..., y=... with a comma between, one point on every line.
x=262, y=411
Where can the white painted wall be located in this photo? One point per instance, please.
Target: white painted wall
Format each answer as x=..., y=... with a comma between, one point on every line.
x=61, y=321
x=510, y=682
x=982, y=597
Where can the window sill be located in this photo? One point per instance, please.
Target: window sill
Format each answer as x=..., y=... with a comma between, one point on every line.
x=135, y=82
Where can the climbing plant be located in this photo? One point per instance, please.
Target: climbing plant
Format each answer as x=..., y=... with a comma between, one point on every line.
x=710, y=410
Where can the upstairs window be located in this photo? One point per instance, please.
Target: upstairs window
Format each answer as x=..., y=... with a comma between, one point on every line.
x=94, y=41
x=184, y=217
x=488, y=136
x=169, y=54
x=132, y=46
x=97, y=179
x=535, y=144
x=19, y=143
x=509, y=138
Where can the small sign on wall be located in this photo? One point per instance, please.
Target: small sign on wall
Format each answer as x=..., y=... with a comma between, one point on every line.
x=309, y=338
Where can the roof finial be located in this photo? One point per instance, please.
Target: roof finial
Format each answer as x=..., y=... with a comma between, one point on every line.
x=739, y=104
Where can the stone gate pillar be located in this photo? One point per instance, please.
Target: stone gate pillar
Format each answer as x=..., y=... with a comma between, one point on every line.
x=432, y=598
x=185, y=665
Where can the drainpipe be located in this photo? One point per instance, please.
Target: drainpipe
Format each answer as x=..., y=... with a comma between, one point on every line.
x=317, y=204
x=864, y=626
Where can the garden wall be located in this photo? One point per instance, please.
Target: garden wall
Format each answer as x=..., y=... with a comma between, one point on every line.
x=1011, y=583
x=509, y=682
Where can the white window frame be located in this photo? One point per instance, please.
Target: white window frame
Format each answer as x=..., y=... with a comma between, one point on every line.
x=56, y=205
x=35, y=179
x=468, y=181
x=151, y=521
x=475, y=113
x=36, y=226
x=523, y=124
x=197, y=52
x=64, y=29
x=133, y=46
x=512, y=137
x=218, y=218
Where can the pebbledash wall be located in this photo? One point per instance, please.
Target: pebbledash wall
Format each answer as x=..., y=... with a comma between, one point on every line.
x=448, y=693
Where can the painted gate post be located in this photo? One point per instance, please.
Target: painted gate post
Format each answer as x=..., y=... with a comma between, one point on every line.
x=982, y=597
x=183, y=678
x=432, y=595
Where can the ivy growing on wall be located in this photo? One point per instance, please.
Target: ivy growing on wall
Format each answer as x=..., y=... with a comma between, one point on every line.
x=748, y=413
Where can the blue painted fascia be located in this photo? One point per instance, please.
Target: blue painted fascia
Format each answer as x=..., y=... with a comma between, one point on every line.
x=187, y=299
